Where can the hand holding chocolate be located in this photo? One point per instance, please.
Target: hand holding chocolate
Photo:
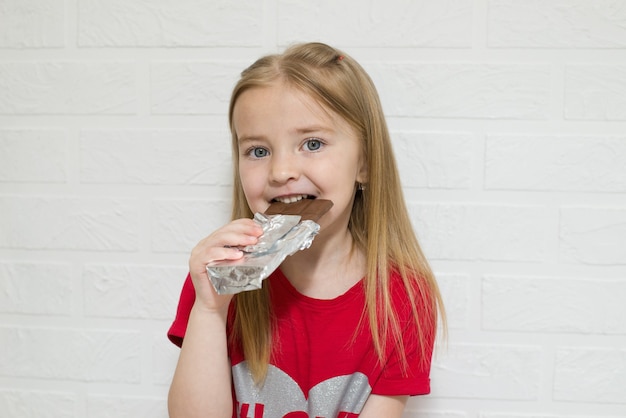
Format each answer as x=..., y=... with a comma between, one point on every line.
x=287, y=228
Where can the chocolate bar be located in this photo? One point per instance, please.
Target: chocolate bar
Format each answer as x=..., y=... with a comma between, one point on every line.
x=307, y=209
x=287, y=228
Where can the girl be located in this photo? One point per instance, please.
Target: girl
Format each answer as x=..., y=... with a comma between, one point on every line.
x=345, y=328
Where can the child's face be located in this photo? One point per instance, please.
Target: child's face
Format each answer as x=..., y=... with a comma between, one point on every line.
x=291, y=148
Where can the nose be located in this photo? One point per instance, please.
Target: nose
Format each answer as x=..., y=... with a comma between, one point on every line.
x=284, y=168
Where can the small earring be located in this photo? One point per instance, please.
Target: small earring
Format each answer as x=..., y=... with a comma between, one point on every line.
x=361, y=186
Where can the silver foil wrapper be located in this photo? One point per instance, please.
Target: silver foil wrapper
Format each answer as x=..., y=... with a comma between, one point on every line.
x=283, y=235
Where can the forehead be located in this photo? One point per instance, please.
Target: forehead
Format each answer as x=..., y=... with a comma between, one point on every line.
x=279, y=93
x=279, y=106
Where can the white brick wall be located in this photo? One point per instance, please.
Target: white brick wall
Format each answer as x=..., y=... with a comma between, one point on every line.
x=509, y=122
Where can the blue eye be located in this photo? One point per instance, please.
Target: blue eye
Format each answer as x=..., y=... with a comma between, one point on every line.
x=313, y=144
x=258, y=152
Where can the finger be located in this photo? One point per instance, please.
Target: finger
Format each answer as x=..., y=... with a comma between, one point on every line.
x=201, y=258
x=231, y=237
x=246, y=226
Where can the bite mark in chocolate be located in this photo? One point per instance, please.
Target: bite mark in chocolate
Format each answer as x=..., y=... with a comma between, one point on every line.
x=308, y=209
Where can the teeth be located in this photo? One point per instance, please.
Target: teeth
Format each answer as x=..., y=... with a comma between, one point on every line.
x=291, y=199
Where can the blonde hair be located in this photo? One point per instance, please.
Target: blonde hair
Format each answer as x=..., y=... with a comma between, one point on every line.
x=379, y=221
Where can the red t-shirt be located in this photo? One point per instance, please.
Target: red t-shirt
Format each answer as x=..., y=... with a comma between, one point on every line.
x=323, y=362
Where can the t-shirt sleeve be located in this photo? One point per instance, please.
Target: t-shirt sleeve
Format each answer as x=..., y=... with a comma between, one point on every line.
x=405, y=378
x=176, y=333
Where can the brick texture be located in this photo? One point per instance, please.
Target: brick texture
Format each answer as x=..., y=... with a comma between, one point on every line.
x=507, y=119
x=35, y=156
x=168, y=23
x=58, y=87
x=32, y=24
x=595, y=92
x=36, y=404
x=149, y=157
x=36, y=288
x=556, y=24
x=573, y=163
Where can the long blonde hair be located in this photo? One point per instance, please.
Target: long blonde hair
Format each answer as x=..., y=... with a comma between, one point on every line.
x=379, y=222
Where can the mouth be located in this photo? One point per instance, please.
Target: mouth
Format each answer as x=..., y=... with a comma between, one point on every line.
x=292, y=198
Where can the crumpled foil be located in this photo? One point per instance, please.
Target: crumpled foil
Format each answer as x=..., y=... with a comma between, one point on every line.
x=283, y=235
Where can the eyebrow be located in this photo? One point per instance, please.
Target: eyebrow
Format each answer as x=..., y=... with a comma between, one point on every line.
x=249, y=138
x=314, y=128
x=300, y=131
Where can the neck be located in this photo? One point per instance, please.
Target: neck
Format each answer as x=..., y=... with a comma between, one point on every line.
x=327, y=269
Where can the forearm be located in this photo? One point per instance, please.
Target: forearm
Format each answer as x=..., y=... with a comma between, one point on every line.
x=384, y=406
x=201, y=386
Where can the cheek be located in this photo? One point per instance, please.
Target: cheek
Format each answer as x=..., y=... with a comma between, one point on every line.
x=247, y=173
x=253, y=187
x=250, y=185
x=342, y=170
x=246, y=181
